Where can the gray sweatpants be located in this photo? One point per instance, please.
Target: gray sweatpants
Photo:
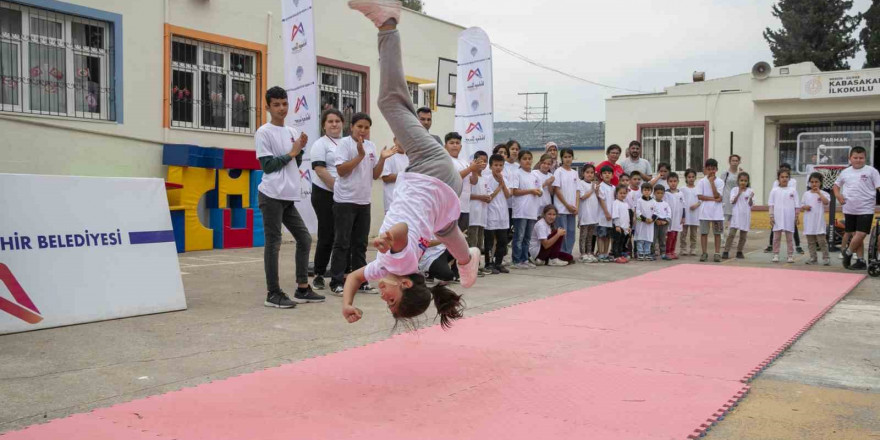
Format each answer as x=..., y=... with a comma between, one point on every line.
x=426, y=156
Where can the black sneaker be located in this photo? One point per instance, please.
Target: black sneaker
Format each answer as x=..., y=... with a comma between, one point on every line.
x=847, y=259
x=337, y=291
x=318, y=283
x=494, y=270
x=799, y=250
x=725, y=255
x=768, y=249
x=307, y=295
x=740, y=256
x=429, y=279
x=280, y=301
x=503, y=269
x=858, y=265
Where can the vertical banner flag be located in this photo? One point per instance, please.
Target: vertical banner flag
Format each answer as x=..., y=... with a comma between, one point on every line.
x=301, y=83
x=474, y=107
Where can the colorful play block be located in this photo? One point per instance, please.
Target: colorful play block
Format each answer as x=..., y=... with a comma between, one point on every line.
x=178, y=223
x=233, y=188
x=192, y=156
x=240, y=159
x=232, y=228
x=256, y=179
x=259, y=234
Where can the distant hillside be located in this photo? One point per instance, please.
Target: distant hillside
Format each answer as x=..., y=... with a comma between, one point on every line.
x=579, y=133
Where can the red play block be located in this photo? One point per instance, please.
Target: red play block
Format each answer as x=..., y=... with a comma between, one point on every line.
x=240, y=160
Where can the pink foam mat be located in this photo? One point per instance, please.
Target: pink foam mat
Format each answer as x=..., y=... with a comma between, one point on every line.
x=658, y=356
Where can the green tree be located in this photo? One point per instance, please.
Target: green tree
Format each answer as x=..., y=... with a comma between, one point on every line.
x=415, y=5
x=870, y=36
x=814, y=30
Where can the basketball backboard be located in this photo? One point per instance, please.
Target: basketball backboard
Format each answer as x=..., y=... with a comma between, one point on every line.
x=447, y=76
x=830, y=148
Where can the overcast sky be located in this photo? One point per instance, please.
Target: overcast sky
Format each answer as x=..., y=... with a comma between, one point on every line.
x=637, y=44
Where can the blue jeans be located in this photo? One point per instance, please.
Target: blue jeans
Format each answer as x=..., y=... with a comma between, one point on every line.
x=643, y=247
x=567, y=222
x=522, y=235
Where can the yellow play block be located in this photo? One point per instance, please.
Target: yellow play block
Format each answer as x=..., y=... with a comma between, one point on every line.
x=229, y=186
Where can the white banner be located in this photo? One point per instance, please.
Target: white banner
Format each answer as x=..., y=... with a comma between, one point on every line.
x=840, y=85
x=83, y=249
x=301, y=83
x=473, y=98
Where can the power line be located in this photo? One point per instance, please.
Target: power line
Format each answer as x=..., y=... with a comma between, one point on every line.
x=545, y=67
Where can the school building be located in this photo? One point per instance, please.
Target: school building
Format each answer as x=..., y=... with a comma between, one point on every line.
x=97, y=87
x=793, y=114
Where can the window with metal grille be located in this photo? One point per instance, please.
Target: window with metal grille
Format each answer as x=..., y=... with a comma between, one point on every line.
x=213, y=87
x=341, y=89
x=788, y=134
x=55, y=64
x=681, y=147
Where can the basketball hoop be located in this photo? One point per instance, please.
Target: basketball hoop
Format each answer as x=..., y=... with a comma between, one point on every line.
x=829, y=174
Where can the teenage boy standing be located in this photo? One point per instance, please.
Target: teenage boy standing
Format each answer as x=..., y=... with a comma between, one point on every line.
x=277, y=146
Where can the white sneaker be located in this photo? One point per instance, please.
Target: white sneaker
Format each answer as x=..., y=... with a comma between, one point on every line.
x=468, y=272
x=583, y=258
x=826, y=262
x=378, y=11
x=592, y=258
x=518, y=266
x=790, y=260
x=531, y=265
x=775, y=258
x=557, y=262
x=523, y=266
x=540, y=262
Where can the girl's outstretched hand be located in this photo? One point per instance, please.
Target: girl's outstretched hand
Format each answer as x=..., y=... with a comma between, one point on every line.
x=352, y=314
x=383, y=242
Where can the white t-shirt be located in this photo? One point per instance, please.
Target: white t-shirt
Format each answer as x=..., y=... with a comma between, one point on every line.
x=740, y=212
x=662, y=210
x=525, y=206
x=546, y=197
x=497, y=216
x=588, y=210
x=567, y=182
x=324, y=150
x=357, y=186
x=644, y=231
x=606, y=196
x=479, y=208
x=426, y=205
x=691, y=216
x=632, y=197
x=710, y=209
x=662, y=182
x=620, y=214
x=814, y=219
x=461, y=164
x=271, y=141
x=393, y=165
x=509, y=170
x=540, y=232
x=431, y=255
x=783, y=203
x=675, y=200
x=859, y=189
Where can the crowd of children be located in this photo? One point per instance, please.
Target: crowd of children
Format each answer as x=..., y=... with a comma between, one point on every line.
x=517, y=198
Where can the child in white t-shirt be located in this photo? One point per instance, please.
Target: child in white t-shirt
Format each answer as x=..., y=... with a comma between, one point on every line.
x=691, y=228
x=545, y=246
x=620, y=220
x=784, y=206
x=797, y=236
x=675, y=198
x=588, y=213
x=546, y=178
x=606, y=203
x=394, y=165
x=661, y=226
x=565, y=187
x=856, y=190
x=468, y=177
x=644, y=223
x=813, y=203
x=526, y=189
x=662, y=175
x=480, y=196
x=741, y=199
x=426, y=201
x=497, y=217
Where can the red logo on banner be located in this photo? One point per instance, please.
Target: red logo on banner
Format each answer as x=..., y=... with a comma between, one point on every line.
x=25, y=310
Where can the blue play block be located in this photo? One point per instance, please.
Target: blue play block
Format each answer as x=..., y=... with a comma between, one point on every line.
x=192, y=156
x=216, y=220
x=256, y=178
x=259, y=236
x=177, y=223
